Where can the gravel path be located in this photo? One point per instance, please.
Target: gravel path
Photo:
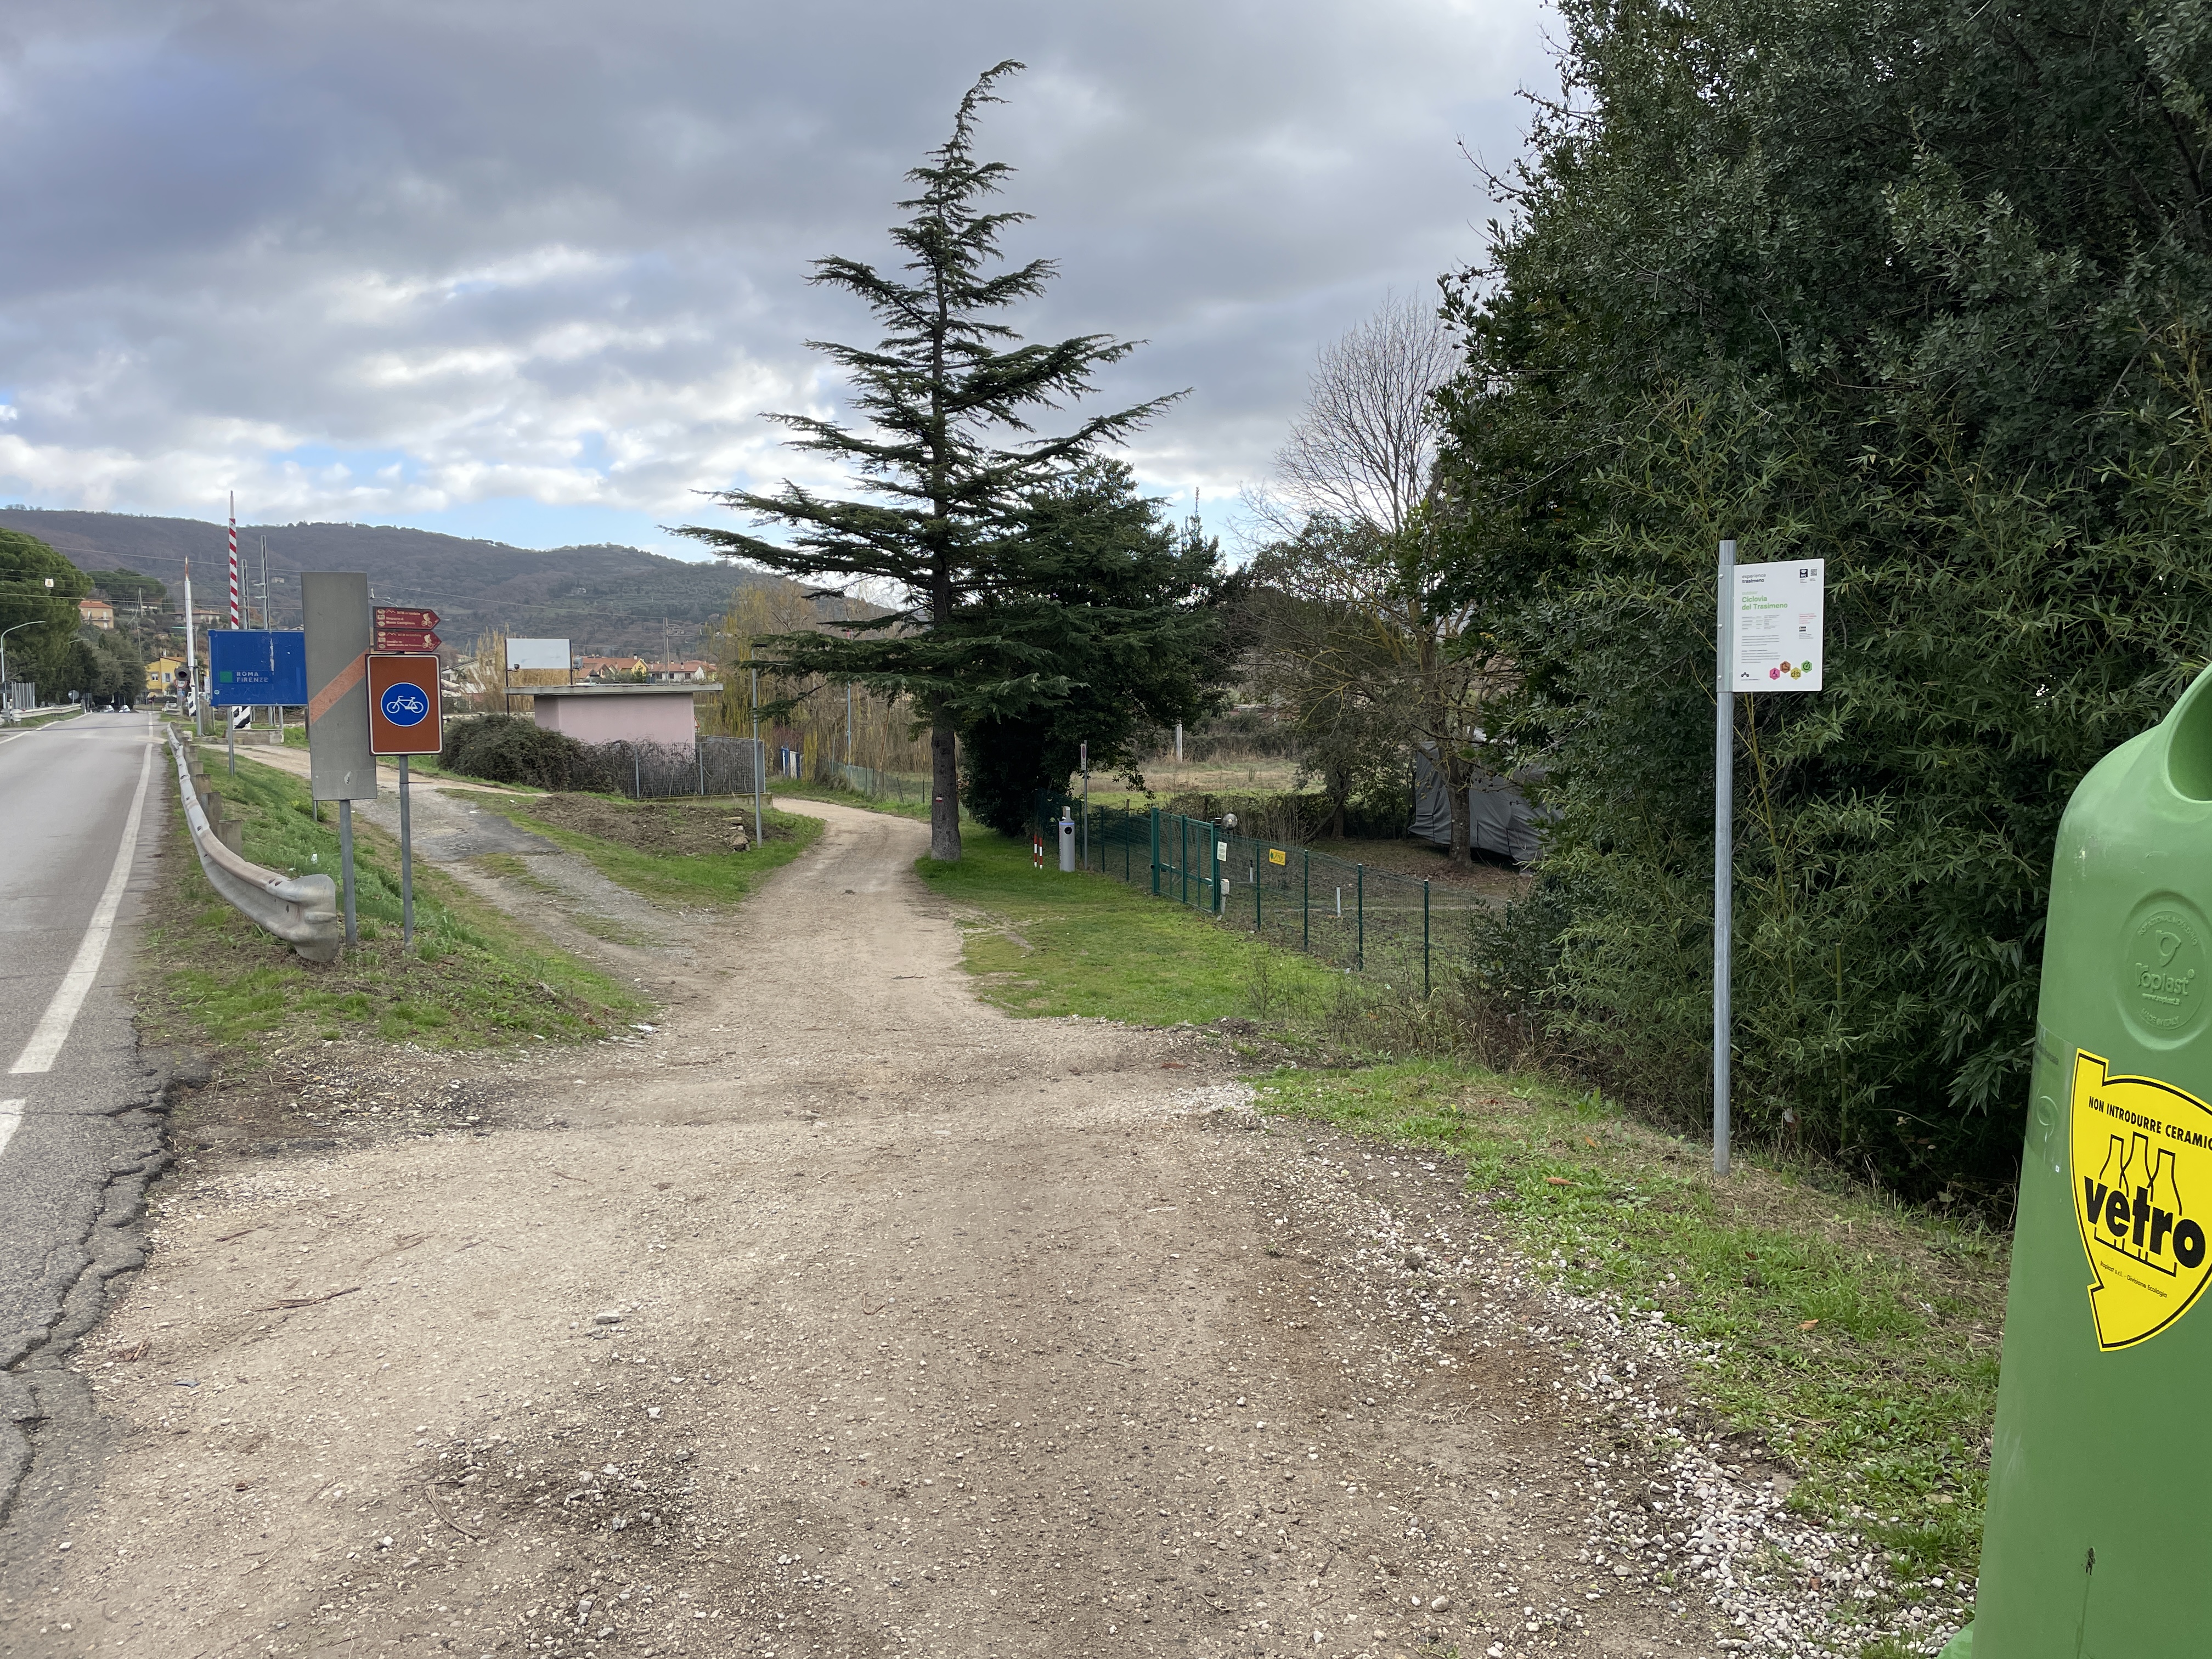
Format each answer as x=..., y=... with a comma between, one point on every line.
x=844, y=1314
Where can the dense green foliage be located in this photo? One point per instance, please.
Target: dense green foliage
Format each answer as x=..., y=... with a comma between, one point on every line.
x=38, y=622
x=47, y=644
x=1919, y=287
x=509, y=749
x=952, y=488
x=127, y=589
x=1127, y=606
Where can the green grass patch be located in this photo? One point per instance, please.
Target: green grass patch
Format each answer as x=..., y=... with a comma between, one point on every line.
x=1054, y=943
x=512, y=866
x=712, y=879
x=476, y=979
x=1858, y=1340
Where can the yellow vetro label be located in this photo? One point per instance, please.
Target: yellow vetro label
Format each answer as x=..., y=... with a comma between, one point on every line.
x=1277, y=856
x=2142, y=1195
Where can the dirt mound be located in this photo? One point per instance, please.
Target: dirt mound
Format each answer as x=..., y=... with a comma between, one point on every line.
x=698, y=828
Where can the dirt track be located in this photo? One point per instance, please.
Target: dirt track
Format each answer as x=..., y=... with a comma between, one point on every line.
x=842, y=1314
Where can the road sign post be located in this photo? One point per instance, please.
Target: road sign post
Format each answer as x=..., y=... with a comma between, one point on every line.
x=1772, y=623
x=335, y=608
x=404, y=719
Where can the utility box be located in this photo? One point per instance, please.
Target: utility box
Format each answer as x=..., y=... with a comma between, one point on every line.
x=2096, y=1544
x=1066, y=842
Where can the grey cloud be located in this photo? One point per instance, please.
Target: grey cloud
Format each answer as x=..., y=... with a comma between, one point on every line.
x=378, y=259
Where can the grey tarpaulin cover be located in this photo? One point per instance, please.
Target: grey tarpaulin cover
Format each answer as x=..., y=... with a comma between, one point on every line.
x=1500, y=818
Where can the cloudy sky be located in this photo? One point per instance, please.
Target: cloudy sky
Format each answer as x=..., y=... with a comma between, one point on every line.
x=533, y=269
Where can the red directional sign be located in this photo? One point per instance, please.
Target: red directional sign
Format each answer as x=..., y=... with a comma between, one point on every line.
x=405, y=627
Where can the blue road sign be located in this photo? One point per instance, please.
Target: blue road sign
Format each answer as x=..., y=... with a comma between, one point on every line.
x=256, y=666
x=405, y=705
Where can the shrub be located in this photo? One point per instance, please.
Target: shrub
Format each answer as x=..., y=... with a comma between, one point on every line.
x=509, y=749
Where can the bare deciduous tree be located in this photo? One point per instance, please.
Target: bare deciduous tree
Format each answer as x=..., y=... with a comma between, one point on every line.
x=1369, y=619
x=1364, y=450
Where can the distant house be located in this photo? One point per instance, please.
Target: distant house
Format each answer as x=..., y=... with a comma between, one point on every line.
x=606, y=711
x=98, y=612
x=162, y=675
x=610, y=668
x=668, y=672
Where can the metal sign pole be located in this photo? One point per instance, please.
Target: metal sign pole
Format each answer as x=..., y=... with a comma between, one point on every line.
x=191, y=661
x=406, y=863
x=1086, y=749
x=345, y=861
x=1723, y=850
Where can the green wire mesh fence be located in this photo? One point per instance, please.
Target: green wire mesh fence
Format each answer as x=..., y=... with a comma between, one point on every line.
x=1349, y=915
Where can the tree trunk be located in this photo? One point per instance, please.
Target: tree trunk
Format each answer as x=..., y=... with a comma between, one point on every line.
x=944, y=791
x=1457, y=776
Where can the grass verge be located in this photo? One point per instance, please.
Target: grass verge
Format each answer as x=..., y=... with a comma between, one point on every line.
x=1054, y=943
x=1858, y=1340
x=477, y=978
x=712, y=879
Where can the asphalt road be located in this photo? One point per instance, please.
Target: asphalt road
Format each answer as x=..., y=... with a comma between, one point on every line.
x=82, y=810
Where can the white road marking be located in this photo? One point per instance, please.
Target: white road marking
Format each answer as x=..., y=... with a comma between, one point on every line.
x=11, y=1114
x=53, y=1028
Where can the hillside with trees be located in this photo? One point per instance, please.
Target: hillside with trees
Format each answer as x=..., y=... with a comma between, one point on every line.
x=609, y=600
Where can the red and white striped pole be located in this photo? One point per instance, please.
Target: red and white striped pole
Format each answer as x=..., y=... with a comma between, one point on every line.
x=234, y=559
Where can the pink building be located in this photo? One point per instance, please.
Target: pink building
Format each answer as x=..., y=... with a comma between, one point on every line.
x=660, y=715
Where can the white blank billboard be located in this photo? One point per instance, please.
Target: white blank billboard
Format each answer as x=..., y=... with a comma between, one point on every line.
x=538, y=653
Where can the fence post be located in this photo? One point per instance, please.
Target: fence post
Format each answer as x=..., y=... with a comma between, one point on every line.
x=1360, y=890
x=1213, y=865
x=636, y=774
x=1425, y=936
x=1182, y=854
x=699, y=755
x=1306, y=901
x=1156, y=852
x=1258, y=928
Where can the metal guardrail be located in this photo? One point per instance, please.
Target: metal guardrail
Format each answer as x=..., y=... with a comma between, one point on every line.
x=301, y=910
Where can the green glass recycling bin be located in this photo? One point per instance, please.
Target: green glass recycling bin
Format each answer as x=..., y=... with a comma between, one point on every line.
x=2098, y=1541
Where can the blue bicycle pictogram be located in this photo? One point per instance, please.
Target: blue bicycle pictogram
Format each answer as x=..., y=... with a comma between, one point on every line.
x=405, y=705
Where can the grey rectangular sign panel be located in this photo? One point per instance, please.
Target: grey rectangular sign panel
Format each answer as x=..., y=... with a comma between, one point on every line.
x=339, y=764
x=551, y=655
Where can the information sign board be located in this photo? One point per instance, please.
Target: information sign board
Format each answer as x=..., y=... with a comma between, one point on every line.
x=257, y=667
x=403, y=716
x=1778, y=621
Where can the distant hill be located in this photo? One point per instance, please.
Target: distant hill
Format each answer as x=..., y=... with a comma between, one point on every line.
x=608, y=601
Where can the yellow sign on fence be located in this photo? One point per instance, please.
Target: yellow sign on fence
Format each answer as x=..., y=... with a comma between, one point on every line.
x=1277, y=856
